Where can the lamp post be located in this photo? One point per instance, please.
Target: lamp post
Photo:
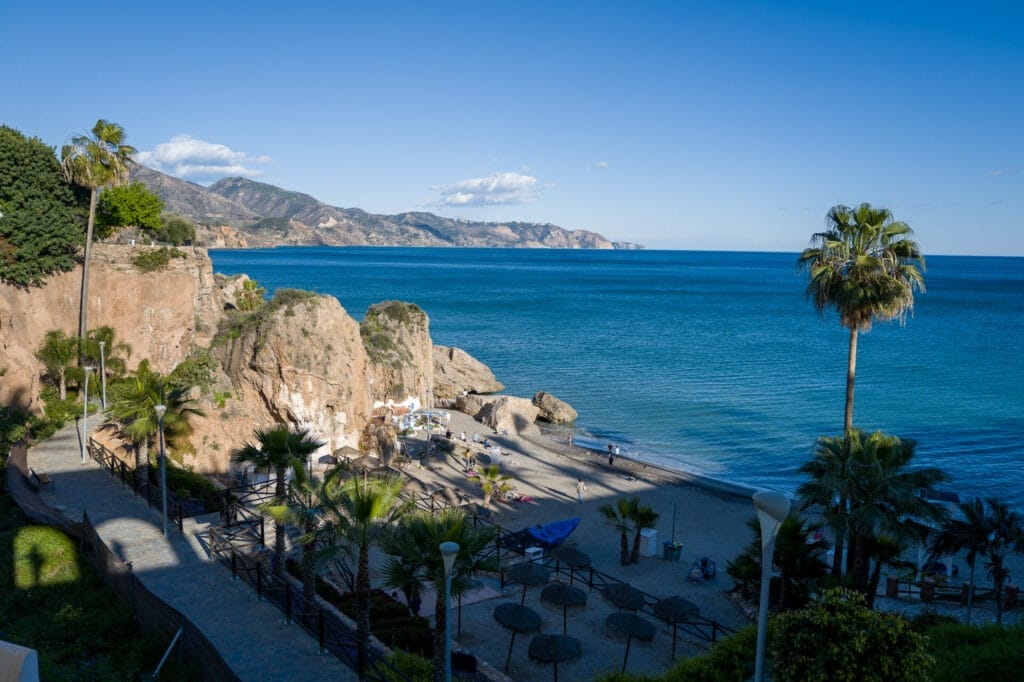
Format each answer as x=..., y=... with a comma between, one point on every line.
x=103, y=373
x=160, y=410
x=448, y=552
x=772, y=509
x=85, y=411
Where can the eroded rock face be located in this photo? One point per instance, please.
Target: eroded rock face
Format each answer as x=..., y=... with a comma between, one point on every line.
x=396, y=337
x=501, y=413
x=456, y=371
x=299, y=362
x=161, y=315
x=552, y=409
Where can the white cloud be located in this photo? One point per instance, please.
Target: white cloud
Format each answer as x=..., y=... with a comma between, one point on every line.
x=600, y=164
x=996, y=173
x=184, y=156
x=500, y=188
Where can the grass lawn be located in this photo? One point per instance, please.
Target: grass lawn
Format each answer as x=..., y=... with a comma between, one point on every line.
x=52, y=601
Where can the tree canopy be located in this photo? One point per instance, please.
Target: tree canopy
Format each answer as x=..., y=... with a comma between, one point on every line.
x=38, y=233
x=127, y=205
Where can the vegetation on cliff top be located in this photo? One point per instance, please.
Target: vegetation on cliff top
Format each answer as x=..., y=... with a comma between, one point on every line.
x=378, y=331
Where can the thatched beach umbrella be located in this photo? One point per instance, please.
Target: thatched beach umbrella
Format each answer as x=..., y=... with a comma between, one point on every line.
x=528, y=574
x=571, y=557
x=517, y=618
x=633, y=627
x=565, y=596
x=555, y=649
x=675, y=609
x=624, y=596
x=347, y=452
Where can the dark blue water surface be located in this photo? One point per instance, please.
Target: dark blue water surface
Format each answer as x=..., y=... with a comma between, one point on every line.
x=706, y=361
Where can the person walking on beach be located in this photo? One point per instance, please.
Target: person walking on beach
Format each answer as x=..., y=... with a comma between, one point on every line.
x=581, y=488
x=570, y=439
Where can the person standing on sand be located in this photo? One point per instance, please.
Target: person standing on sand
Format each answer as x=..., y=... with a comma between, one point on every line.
x=581, y=488
x=570, y=439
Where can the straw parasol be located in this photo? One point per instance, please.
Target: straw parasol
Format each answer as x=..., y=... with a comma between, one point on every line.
x=675, y=609
x=347, y=452
x=633, y=627
x=528, y=574
x=624, y=596
x=565, y=596
x=517, y=618
x=571, y=557
x=555, y=649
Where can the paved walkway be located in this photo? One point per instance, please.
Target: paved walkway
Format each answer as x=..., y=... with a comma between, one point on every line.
x=251, y=635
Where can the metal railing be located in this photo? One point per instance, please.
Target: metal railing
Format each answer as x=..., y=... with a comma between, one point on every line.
x=141, y=485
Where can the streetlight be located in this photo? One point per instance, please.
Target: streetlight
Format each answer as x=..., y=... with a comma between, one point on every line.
x=772, y=509
x=103, y=373
x=448, y=552
x=85, y=410
x=160, y=410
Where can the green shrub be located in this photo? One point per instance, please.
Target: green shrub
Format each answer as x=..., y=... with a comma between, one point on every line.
x=966, y=652
x=198, y=369
x=153, y=260
x=189, y=482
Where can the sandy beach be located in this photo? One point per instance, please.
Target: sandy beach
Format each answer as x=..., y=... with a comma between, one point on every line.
x=708, y=522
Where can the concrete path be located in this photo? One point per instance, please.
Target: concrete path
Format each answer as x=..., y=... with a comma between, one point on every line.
x=251, y=635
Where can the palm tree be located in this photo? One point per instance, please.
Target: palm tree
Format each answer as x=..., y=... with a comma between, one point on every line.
x=94, y=162
x=359, y=512
x=884, y=498
x=302, y=508
x=278, y=448
x=493, y=482
x=132, y=403
x=642, y=517
x=993, y=533
x=866, y=267
x=620, y=516
x=115, y=353
x=828, y=488
x=56, y=354
x=416, y=542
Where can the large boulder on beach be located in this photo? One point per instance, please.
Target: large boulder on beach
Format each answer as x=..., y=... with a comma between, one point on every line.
x=396, y=336
x=457, y=372
x=501, y=413
x=552, y=409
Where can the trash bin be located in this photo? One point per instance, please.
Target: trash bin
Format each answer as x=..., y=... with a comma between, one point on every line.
x=671, y=551
x=648, y=542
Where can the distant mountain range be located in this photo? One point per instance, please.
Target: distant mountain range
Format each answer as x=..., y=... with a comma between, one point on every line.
x=237, y=212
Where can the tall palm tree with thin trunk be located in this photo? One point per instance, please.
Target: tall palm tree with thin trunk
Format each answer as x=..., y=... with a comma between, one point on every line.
x=416, y=542
x=278, y=448
x=302, y=507
x=619, y=516
x=359, y=512
x=866, y=267
x=95, y=161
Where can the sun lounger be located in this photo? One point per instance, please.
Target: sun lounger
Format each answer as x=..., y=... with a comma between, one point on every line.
x=38, y=479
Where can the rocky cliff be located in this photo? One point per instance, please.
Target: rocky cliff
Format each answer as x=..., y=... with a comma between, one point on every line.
x=396, y=336
x=161, y=315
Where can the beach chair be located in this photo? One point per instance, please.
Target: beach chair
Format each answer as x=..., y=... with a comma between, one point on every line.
x=702, y=569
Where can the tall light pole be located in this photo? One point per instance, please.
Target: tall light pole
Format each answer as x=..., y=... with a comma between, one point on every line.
x=85, y=411
x=448, y=552
x=103, y=373
x=160, y=410
x=772, y=509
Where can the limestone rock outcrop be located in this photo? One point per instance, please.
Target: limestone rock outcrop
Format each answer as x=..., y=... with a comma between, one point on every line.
x=456, y=372
x=299, y=361
x=161, y=314
x=501, y=413
x=396, y=336
x=552, y=409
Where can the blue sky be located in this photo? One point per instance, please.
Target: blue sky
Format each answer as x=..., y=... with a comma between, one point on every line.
x=684, y=125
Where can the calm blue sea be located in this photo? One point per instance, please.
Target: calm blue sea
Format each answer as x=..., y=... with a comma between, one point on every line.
x=710, y=362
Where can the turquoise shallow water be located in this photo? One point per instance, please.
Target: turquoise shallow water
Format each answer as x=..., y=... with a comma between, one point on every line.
x=710, y=362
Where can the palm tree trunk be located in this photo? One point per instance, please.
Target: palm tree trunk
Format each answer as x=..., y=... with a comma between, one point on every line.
x=970, y=594
x=63, y=383
x=851, y=372
x=363, y=611
x=439, y=640
x=997, y=579
x=279, y=492
x=840, y=543
x=634, y=556
x=308, y=570
x=83, y=302
x=876, y=577
x=862, y=564
x=623, y=549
